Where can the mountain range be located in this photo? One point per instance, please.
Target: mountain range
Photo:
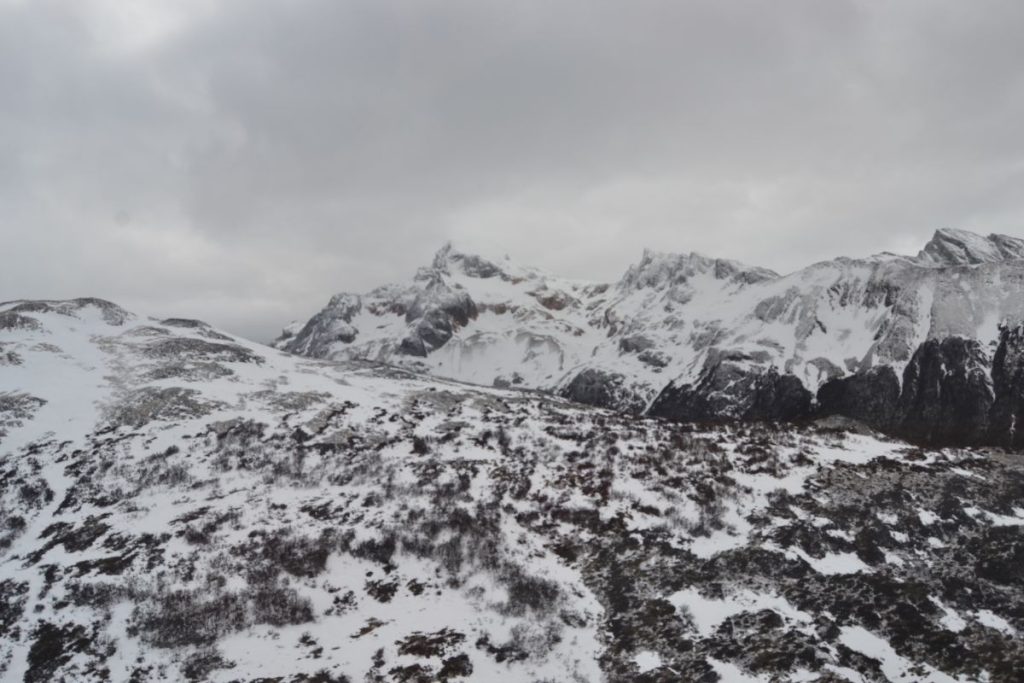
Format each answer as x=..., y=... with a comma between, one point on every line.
x=928, y=347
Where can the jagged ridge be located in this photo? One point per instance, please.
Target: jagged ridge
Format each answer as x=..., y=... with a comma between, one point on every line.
x=692, y=337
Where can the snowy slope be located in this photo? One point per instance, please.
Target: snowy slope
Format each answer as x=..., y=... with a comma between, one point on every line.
x=178, y=503
x=504, y=324
x=678, y=321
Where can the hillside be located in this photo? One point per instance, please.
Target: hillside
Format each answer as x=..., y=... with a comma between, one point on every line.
x=181, y=504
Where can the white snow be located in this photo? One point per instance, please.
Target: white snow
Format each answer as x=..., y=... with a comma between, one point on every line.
x=951, y=620
x=993, y=620
x=728, y=671
x=646, y=660
x=894, y=666
x=830, y=563
x=708, y=613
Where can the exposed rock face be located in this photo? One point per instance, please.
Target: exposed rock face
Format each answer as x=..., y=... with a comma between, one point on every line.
x=435, y=315
x=448, y=260
x=1006, y=418
x=730, y=390
x=635, y=343
x=553, y=299
x=332, y=324
x=15, y=408
x=778, y=397
x=659, y=270
x=952, y=394
x=870, y=397
x=962, y=248
x=605, y=390
x=10, y=320
x=111, y=313
x=14, y=315
x=947, y=393
x=654, y=358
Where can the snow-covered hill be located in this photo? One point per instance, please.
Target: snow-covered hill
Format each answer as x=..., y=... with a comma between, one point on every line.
x=180, y=504
x=695, y=338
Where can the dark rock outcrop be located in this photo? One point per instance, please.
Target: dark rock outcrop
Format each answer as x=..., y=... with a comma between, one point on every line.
x=778, y=397
x=870, y=397
x=440, y=311
x=112, y=313
x=654, y=358
x=552, y=299
x=18, y=316
x=331, y=325
x=604, y=390
x=635, y=343
x=1006, y=418
x=952, y=394
x=10, y=320
x=947, y=394
x=729, y=390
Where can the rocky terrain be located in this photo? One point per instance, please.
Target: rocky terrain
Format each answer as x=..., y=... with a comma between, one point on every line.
x=177, y=503
x=924, y=347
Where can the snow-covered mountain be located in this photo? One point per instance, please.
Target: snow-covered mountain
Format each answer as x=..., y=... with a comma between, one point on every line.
x=177, y=503
x=487, y=322
x=701, y=339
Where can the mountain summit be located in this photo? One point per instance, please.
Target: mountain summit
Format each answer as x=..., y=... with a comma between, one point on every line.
x=950, y=247
x=689, y=337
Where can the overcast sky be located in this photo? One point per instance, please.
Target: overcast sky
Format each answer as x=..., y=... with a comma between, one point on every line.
x=240, y=161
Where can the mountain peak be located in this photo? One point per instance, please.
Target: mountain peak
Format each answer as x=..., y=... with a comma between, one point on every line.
x=451, y=260
x=952, y=247
x=656, y=269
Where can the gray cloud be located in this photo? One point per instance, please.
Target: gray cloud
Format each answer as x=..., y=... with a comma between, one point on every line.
x=241, y=160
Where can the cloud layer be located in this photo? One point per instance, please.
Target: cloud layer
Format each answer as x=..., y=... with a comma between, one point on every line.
x=240, y=160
